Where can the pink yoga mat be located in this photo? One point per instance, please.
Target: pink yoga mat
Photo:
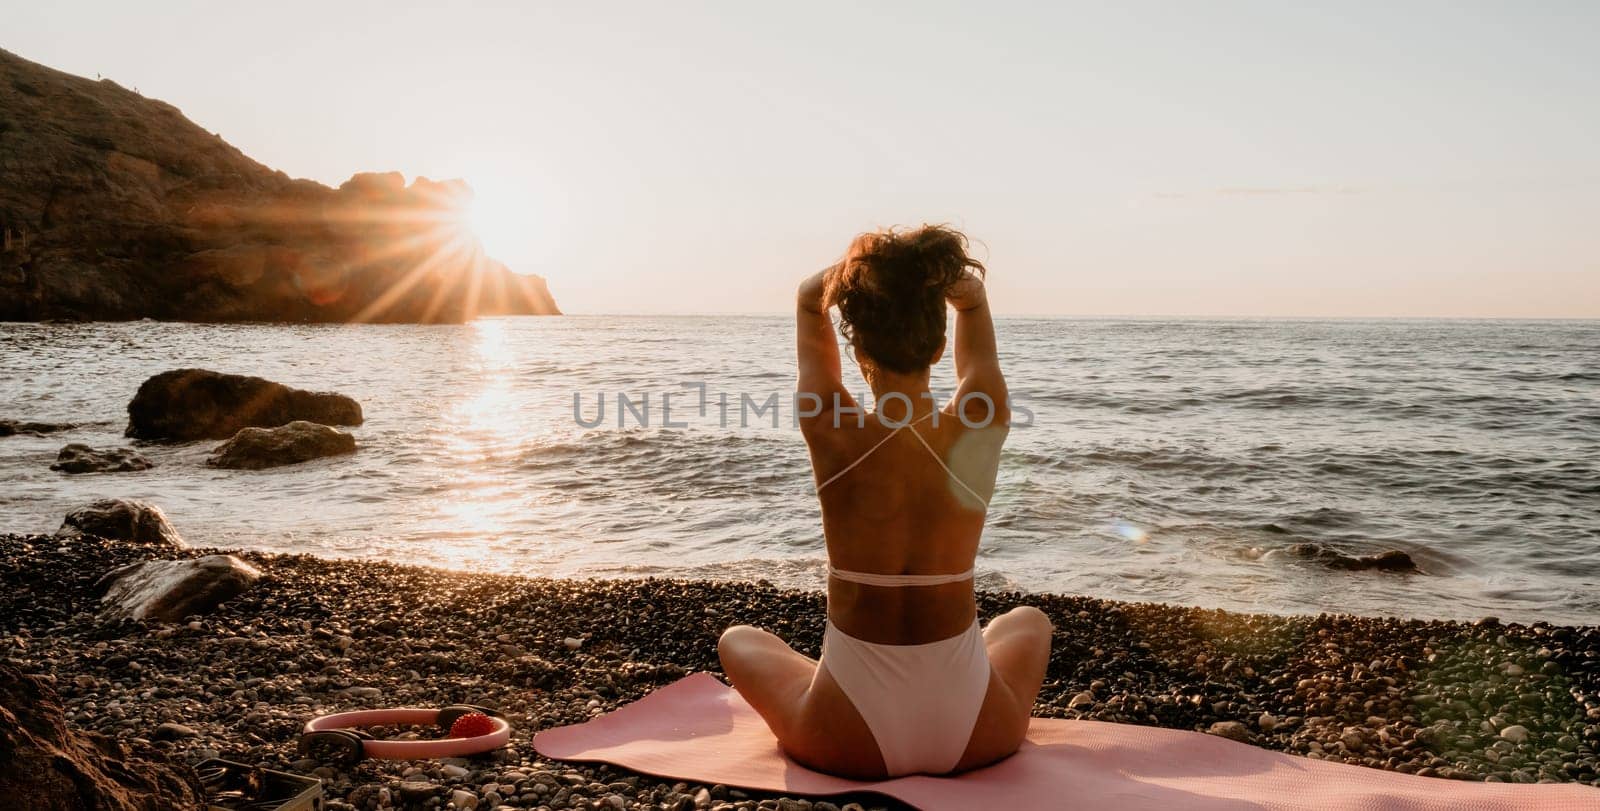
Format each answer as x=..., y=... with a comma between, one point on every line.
x=700, y=730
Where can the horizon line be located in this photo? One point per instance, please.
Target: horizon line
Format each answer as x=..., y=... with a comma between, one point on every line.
x=1107, y=316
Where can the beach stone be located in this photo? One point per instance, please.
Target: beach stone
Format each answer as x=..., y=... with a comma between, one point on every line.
x=1354, y=739
x=53, y=767
x=298, y=441
x=172, y=731
x=463, y=799
x=1516, y=733
x=1232, y=730
x=1081, y=701
x=123, y=520
x=202, y=404
x=80, y=458
x=416, y=791
x=1267, y=722
x=169, y=590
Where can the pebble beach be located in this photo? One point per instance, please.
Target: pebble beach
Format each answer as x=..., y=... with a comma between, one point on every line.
x=1470, y=701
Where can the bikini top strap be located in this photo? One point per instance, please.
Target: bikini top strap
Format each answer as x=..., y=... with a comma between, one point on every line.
x=863, y=457
x=898, y=580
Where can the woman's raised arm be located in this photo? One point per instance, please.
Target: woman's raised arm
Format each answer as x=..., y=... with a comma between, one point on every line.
x=817, y=348
x=978, y=374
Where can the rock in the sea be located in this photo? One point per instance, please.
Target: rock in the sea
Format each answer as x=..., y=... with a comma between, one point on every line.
x=202, y=404
x=299, y=441
x=1392, y=560
x=169, y=590
x=115, y=206
x=15, y=427
x=45, y=766
x=124, y=520
x=80, y=458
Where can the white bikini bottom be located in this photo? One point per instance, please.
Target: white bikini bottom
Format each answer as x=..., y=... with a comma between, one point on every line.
x=920, y=701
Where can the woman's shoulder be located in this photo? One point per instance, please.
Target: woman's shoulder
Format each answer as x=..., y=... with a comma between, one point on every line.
x=991, y=421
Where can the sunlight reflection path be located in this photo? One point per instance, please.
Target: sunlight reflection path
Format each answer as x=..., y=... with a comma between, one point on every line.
x=485, y=436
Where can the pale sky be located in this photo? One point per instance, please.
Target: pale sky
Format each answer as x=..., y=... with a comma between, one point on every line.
x=1271, y=158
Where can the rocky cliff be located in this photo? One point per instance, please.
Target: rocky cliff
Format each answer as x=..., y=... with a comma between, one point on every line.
x=115, y=206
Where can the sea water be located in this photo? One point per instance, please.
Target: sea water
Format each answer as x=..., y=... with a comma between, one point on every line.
x=1164, y=460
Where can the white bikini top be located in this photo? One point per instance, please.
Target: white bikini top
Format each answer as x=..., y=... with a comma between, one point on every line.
x=900, y=580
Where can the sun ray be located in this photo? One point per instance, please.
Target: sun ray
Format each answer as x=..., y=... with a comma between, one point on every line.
x=498, y=293
x=436, y=302
x=422, y=235
x=469, y=302
x=402, y=286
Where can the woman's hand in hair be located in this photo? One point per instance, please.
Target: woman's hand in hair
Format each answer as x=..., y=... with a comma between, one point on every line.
x=967, y=292
x=814, y=287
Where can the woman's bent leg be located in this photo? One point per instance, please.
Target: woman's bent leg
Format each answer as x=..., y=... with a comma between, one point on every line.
x=769, y=674
x=1018, y=644
x=812, y=718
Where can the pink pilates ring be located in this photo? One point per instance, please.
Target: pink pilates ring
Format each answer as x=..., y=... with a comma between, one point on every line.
x=334, y=737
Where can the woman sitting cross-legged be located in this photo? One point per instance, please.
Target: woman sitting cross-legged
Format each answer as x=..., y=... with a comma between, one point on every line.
x=907, y=683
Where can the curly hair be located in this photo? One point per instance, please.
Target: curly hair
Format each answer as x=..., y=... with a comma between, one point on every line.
x=890, y=290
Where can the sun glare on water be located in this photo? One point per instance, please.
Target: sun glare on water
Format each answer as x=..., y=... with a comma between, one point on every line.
x=481, y=427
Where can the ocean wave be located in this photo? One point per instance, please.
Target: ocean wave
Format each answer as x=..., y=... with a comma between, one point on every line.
x=674, y=464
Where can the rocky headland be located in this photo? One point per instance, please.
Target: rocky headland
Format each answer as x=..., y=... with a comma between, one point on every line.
x=114, y=206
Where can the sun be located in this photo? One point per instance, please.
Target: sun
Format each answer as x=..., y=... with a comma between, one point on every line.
x=501, y=220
